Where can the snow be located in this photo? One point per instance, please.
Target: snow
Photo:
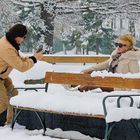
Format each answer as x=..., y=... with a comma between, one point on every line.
x=59, y=99
x=60, y=102
x=110, y=74
x=39, y=71
x=125, y=113
x=23, y=134
x=66, y=101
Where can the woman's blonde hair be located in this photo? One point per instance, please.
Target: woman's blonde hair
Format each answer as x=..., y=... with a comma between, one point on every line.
x=129, y=38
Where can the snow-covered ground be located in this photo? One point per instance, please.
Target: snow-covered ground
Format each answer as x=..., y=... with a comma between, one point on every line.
x=37, y=72
x=59, y=99
x=20, y=133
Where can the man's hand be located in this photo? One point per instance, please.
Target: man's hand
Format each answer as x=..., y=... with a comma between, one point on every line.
x=38, y=55
x=39, y=50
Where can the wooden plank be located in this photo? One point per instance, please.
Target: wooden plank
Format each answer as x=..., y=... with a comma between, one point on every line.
x=74, y=59
x=63, y=113
x=86, y=79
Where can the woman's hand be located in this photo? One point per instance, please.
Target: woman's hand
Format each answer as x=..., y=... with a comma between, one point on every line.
x=86, y=71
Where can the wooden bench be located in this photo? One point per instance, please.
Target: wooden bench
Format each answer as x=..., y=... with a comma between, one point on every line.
x=86, y=79
x=74, y=59
x=82, y=79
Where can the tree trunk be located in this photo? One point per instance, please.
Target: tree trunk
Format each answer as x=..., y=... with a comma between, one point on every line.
x=121, y=23
x=87, y=50
x=132, y=27
x=114, y=23
x=64, y=49
x=49, y=24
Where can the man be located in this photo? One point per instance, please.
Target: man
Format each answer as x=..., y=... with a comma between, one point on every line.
x=9, y=60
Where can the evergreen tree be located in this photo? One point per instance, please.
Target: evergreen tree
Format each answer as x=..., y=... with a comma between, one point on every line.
x=40, y=16
x=100, y=38
x=124, y=9
x=8, y=16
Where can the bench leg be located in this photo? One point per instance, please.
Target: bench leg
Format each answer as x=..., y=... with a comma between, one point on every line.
x=46, y=87
x=15, y=116
x=108, y=131
x=136, y=127
x=42, y=122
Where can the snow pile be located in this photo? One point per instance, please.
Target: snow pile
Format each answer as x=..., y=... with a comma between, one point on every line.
x=23, y=134
x=72, y=135
x=73, y=102
x=59, y=101
x=36, y=72
x=110, y=74
x=117, y=114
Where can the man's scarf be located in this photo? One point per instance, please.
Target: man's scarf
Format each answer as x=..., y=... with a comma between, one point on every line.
x=12, y=41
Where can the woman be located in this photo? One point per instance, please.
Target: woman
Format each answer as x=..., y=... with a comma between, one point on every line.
x=124, y=59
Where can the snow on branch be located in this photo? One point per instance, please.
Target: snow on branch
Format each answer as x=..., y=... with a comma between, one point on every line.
x=124, y=8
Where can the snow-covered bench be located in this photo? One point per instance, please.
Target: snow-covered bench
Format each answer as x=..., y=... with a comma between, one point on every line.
x=104, y=79
x=74, y=103
x=38, y=72
x=130, y=112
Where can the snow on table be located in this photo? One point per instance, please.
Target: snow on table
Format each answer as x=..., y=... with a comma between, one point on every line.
x=72, y=102
x=117, y=114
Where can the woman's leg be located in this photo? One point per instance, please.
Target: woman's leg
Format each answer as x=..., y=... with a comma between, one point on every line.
x=87, y=88
x=107, y=89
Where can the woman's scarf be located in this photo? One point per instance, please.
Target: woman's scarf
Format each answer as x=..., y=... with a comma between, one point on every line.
x=114, y=63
